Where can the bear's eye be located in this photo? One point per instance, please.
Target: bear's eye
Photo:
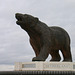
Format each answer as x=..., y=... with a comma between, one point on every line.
x=19, y=19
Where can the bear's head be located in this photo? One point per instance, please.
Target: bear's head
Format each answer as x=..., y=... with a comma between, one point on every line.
x=25, y=20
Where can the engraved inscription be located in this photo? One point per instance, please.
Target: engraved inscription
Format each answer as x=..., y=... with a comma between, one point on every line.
x=28, y=65
x=56, y=66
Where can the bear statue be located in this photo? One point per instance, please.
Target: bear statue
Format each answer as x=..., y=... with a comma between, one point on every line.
x=45, y=40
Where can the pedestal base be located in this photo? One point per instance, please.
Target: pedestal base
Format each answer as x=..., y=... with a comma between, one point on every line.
x=44, y=66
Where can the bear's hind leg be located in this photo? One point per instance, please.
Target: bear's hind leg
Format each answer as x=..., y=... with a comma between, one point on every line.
x=67, y=54
x=55, y=55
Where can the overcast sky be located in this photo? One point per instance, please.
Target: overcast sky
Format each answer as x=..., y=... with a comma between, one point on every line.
x=14, y=42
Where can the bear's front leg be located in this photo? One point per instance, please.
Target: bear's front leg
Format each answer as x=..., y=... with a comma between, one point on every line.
x=42, y=55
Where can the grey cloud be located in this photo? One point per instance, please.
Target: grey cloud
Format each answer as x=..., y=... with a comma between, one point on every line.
x=14, y=42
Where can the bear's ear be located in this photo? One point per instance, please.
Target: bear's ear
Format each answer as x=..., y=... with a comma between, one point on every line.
x=36, y=19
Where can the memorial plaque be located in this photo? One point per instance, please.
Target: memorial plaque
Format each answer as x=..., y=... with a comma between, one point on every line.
x=58, y=66
x=29, y=66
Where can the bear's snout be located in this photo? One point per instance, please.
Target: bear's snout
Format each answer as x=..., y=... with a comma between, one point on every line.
x=18, y=16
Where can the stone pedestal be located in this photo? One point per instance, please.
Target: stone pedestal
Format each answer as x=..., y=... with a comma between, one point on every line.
x=44, y=66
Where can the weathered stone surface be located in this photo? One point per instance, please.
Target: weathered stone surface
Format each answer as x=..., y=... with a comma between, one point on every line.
x=45, y=40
